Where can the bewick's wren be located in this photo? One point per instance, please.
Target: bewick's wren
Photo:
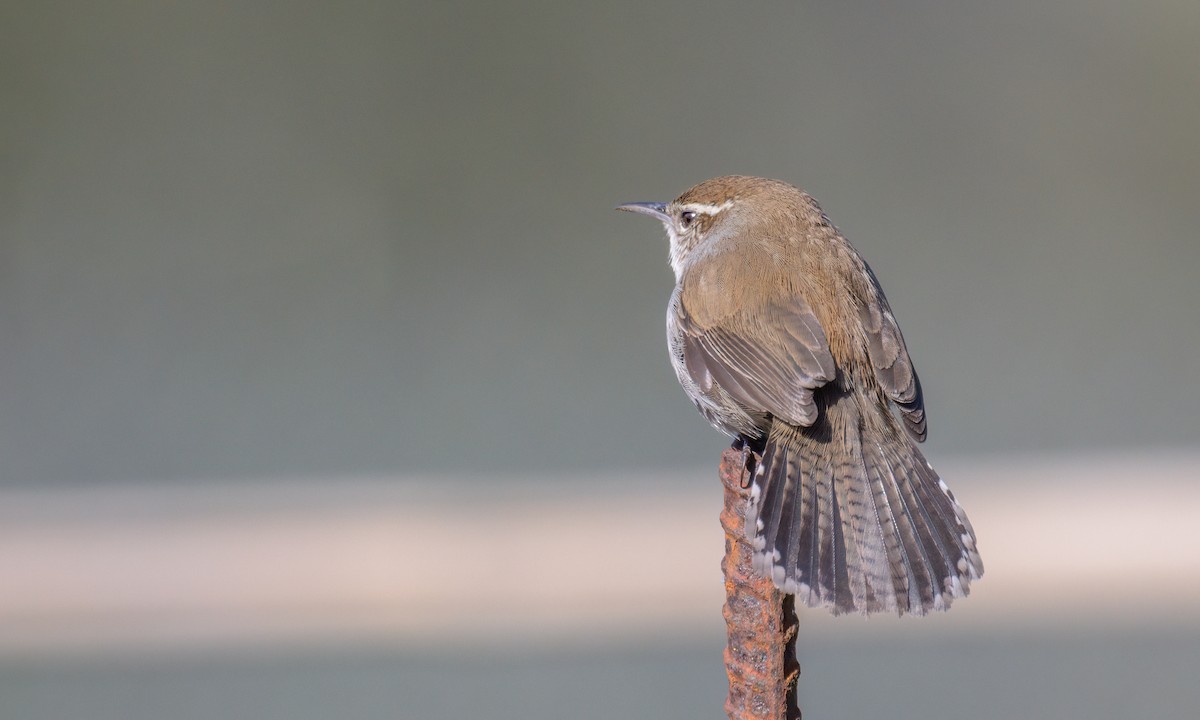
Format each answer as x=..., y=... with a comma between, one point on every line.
x=782, y=337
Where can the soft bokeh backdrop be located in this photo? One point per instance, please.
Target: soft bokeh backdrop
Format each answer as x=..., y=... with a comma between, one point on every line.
x=300, y=238
x=273, y=244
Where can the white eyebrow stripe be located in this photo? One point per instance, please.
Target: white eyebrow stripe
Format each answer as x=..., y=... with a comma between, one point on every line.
x=708, y=209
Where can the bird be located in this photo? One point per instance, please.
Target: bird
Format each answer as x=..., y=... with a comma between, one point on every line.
x=781, y=335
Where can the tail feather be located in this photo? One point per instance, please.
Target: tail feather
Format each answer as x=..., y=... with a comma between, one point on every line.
x=804, y=546
x=911, y=540
x=958, y=534
x=951, y=529
x=793, y=544
x=821, y=545
x=859, y=527
x=934, y=530
x=869, y=536
x=850, y=510
x=773, y=494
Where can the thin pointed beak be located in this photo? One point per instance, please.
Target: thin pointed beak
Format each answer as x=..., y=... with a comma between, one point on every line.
x=653, y=209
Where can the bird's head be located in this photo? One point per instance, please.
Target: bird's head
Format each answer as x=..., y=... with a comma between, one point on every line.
x=699, y=219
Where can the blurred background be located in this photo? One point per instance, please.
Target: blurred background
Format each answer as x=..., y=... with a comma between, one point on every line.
x=331, y=384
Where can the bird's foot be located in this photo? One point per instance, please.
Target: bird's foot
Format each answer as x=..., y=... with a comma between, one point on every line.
x=749, y=459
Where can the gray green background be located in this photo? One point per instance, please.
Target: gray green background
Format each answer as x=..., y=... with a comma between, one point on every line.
x=269, y=240
x=264, y=239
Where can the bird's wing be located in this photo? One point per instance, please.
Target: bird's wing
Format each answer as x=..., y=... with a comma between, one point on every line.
x=889, y=357
x=775, y=374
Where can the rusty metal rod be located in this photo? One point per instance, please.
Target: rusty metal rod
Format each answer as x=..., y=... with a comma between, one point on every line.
x=761, y=621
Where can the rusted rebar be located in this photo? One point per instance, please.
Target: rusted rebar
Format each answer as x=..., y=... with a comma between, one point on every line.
x=761, y=621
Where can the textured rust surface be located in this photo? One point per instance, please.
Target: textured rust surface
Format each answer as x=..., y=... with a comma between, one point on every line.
x=760, y=658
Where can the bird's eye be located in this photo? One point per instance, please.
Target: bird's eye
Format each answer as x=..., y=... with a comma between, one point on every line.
x=686, y=218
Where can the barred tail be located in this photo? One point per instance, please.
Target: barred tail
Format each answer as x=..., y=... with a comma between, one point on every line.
x=849, y=520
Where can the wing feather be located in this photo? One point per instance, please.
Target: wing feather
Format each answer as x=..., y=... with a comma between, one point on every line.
x=890, y=361
x=774, y=371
